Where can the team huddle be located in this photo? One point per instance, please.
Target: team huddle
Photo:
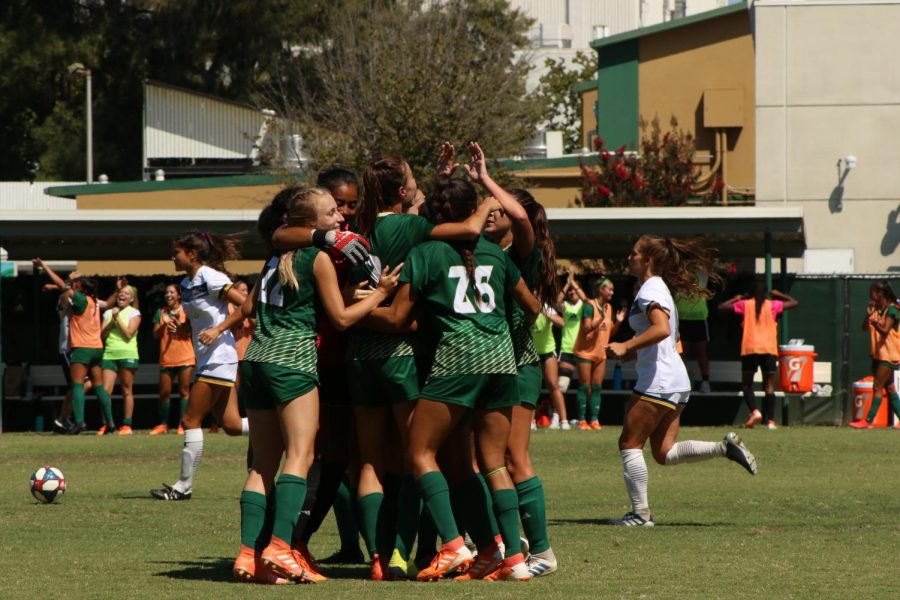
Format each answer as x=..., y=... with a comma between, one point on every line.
x=400, y=357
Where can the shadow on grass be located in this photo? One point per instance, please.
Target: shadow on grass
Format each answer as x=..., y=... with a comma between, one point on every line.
x=207, y=568
x=211, y=568
x=614, y=522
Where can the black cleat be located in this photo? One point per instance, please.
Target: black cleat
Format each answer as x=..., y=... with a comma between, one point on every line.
x=76, y=428
x=344, y=557
x=167, y=492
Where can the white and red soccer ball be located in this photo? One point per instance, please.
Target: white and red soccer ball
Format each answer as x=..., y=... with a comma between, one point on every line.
x=48, y=484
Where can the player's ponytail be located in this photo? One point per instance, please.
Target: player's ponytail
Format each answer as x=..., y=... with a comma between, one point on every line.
x=678, y=261
x=382, y=181
x=453, y=201
x=546, y=288
x=212, y=249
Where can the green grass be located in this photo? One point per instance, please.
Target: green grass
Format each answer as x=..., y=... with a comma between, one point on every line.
x=822, y=519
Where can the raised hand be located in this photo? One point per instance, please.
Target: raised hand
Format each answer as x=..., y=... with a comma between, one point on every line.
x=388, y=281
x=477, y=165
x=446, y=163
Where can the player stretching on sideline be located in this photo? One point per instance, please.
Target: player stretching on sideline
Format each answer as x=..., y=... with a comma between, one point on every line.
x=205, y=294
x=662, y=265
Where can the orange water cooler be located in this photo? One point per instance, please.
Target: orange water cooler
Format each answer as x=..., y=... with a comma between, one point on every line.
x=862, y=402
x=795, y=365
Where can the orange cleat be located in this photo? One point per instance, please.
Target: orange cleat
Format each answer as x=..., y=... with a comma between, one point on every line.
x=287, y=562
x=102, y=430
x=512, y=569
x=486, y=562
x=313, y=570
x=125, y=430
x=596, y=426
x=452, y=555
x=583, y=425
x=861, y=424
x=377, y=572
x=180, y=430
x=755, y=419
x=159, y=430
x=249, y=568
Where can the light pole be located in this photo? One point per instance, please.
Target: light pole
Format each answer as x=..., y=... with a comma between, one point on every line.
x=80, y=69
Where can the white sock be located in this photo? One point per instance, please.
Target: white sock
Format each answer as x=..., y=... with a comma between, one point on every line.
x=555, y=419
x=694, y=451
x=636, y=479
x=564, y=381
x=245, y=426
x=190, y=459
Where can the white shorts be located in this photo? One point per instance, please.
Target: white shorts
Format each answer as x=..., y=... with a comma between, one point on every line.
x=669, y=400
x=222, y=374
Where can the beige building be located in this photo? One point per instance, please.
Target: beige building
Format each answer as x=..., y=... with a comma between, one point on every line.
x=828, y=127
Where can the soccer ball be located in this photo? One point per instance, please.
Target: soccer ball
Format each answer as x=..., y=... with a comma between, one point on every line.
x=48, y=484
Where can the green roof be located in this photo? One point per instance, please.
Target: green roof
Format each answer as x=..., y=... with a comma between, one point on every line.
x=585, y=86
x=669, y=25
x=125, y=187
x=545, y=163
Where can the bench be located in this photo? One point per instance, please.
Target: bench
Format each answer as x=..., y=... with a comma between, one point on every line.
x=725, y=380
x=47, y=383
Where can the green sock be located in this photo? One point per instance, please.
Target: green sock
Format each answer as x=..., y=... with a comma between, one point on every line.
x=533, y=511
x=78, y=402
x=182, y=407
x=253, y=516
x=104, y=403
x=595, y=403
x=427, y=537
x=290, y=492
x=386, y=528
x=895, y=404
x=506, y=508
x=876, y=404
x=409, y=505
x=580, y=401
x=126, y=421
x=369, y=507
x=345, y=517
x=436, y=496
x=479, y=511
x=489, y=503
x=164, y=407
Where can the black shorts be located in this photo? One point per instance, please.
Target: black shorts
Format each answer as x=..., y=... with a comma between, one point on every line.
x=693, y=331
x=545, y=357
x=767, y=362
x=334, y=387
x=65, y=364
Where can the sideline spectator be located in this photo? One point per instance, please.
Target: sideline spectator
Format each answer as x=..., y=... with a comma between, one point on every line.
x=120, y=357
x=882, y=321
x=759, y=345
x=573, y=300
x=176, y=357
x=545, y=345
x=693, y=329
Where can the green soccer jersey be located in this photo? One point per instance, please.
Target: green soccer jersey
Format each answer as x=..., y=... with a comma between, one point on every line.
x=470, y=327
x=542, y=333
x=391, y=240
x=523, y=344
x=285, y=332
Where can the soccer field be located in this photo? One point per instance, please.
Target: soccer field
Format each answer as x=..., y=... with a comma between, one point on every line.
x=821, y=519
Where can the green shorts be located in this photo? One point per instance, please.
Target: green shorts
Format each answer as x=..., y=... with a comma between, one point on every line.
x=488, y=391
x=883, y=363
x=86, y=356
x=582, y=361
x=528, y=380
x=122, y=363
x=383, y=381
x=265, y=385
x=174, y=371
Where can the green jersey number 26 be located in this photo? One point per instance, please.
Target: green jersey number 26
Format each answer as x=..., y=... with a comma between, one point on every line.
x=485, y=299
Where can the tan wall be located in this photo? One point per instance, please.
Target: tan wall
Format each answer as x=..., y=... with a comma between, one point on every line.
x=554, y=188
x=588, y=117
x=156, y=267
x=677, y=65
x=242, y=197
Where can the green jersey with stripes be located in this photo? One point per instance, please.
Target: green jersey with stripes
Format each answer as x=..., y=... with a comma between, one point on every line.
x=391, y=240
x=285, y=332
x=467, y=319
x=519, y=328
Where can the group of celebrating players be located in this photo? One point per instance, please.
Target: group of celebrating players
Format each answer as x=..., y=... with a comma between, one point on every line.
x=415, y=327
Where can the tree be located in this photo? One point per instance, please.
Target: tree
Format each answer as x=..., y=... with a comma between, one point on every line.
x=404, y=75
x=562, y=102
x=663, y=174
